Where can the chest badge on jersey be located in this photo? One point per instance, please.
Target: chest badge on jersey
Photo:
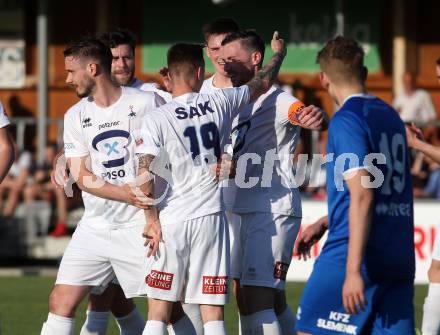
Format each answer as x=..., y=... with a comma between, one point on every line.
x=294, y=112
x=132, y=113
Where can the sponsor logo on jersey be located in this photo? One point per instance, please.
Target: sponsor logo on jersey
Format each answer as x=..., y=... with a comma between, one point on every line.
x=215, y=285
x=160, y=280
x=113, y=145
x=280, y=270
x=109, y=124
x=339, y=322
x=294, y=112
x=69, y=146
x=87, y=122
x=199, y=110
x=132, y=113
x=393, y=209
x=139, y=141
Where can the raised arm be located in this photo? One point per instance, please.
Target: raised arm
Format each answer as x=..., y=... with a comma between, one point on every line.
x=265, y=78
x=416, y=141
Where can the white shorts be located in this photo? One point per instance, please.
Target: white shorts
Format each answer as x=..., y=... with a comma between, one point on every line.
x=436, y=249
x=95, y=256
x=192, y=265
x=234, y=242
x=267, y=242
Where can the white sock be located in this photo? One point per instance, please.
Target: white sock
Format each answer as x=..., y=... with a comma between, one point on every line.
x=131, y=324
x=96, y=323
x=193, y=313
x=182, y=327
x=431, y=311
x=214, y=328
x=287, y=322
x=245, y=324
x=58, y=325
x=154, y=327
x=265, y=323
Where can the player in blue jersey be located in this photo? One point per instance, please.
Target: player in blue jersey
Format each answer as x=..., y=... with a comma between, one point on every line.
x=362, y=283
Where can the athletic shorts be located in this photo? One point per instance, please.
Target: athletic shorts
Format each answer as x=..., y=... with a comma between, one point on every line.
x=436, y=250
x=389, y=308
x=192, y=264
x=235, y=245
x=95, y=256
x=267, y=242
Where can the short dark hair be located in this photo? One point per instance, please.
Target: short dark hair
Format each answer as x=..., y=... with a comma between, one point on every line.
x=249, y=38
x=342, y=59
x=113, y=39
x=92, y=48
x=220, y=25
x=185, y=58
x=438, y=61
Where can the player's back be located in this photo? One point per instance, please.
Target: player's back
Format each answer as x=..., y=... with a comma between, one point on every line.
x=192, y=131
x=364, y=127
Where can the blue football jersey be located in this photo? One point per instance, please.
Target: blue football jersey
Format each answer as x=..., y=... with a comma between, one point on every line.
x=368, y=133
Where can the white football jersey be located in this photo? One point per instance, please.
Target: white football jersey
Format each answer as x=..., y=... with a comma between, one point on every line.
x=264, y=141
x=109, y=136
x=4, y=121
x=151, y=87
x=208, y=86
x=184, y=135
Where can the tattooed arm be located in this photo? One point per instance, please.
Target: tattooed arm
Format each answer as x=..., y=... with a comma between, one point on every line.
x=265, y=78
x=152, y=231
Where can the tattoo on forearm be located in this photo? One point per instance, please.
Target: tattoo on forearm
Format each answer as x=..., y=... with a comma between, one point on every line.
x=145, y=161
x=267, y=74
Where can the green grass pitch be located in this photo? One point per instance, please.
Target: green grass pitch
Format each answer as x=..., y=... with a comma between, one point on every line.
x=23, y=305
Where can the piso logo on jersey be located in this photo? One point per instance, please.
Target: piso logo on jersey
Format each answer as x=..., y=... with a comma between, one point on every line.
x=87, y=122
x=215, y=285
x=160, y=280
x=112, y=146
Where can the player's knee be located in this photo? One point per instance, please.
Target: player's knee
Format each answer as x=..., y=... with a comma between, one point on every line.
x=211, y=313
x=258, y=298
x=434, y=272
x=60, y=304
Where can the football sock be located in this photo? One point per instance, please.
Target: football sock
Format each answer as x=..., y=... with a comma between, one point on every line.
x=265, y=323
x=58, y=325
x=131, y=324
x=154, y=327
x=193, y=313
x=287, y=322
x=431, y=311
x=215, y=328
x=95, y=324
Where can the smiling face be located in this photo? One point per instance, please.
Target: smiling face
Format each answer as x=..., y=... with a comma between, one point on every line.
x=239, y=63
x=123, y=64
x=78, y=76
x=213, y=46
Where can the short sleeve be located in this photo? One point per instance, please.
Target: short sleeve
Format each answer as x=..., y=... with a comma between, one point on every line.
x=236, y=97
x=151, y=140
x=74, y=143
x=4, y=121
x=288, y=109
x=350, y=141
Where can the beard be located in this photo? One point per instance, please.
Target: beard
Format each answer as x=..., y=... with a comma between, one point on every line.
x=122, y=78
x=87, y=88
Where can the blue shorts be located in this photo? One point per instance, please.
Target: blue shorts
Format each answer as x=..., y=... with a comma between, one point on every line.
x=389, y=308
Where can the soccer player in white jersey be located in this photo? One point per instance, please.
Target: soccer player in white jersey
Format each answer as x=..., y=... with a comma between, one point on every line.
x=100, y=134
x=189, y=252
x=267, y=132
x=6, y=145
x=122, y=44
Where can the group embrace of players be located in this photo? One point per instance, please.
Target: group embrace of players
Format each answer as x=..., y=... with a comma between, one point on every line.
x=164, y=220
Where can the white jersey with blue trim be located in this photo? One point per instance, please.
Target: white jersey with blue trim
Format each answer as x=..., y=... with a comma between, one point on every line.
x=109, y=136
x=186, y=135
x=4, y=121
